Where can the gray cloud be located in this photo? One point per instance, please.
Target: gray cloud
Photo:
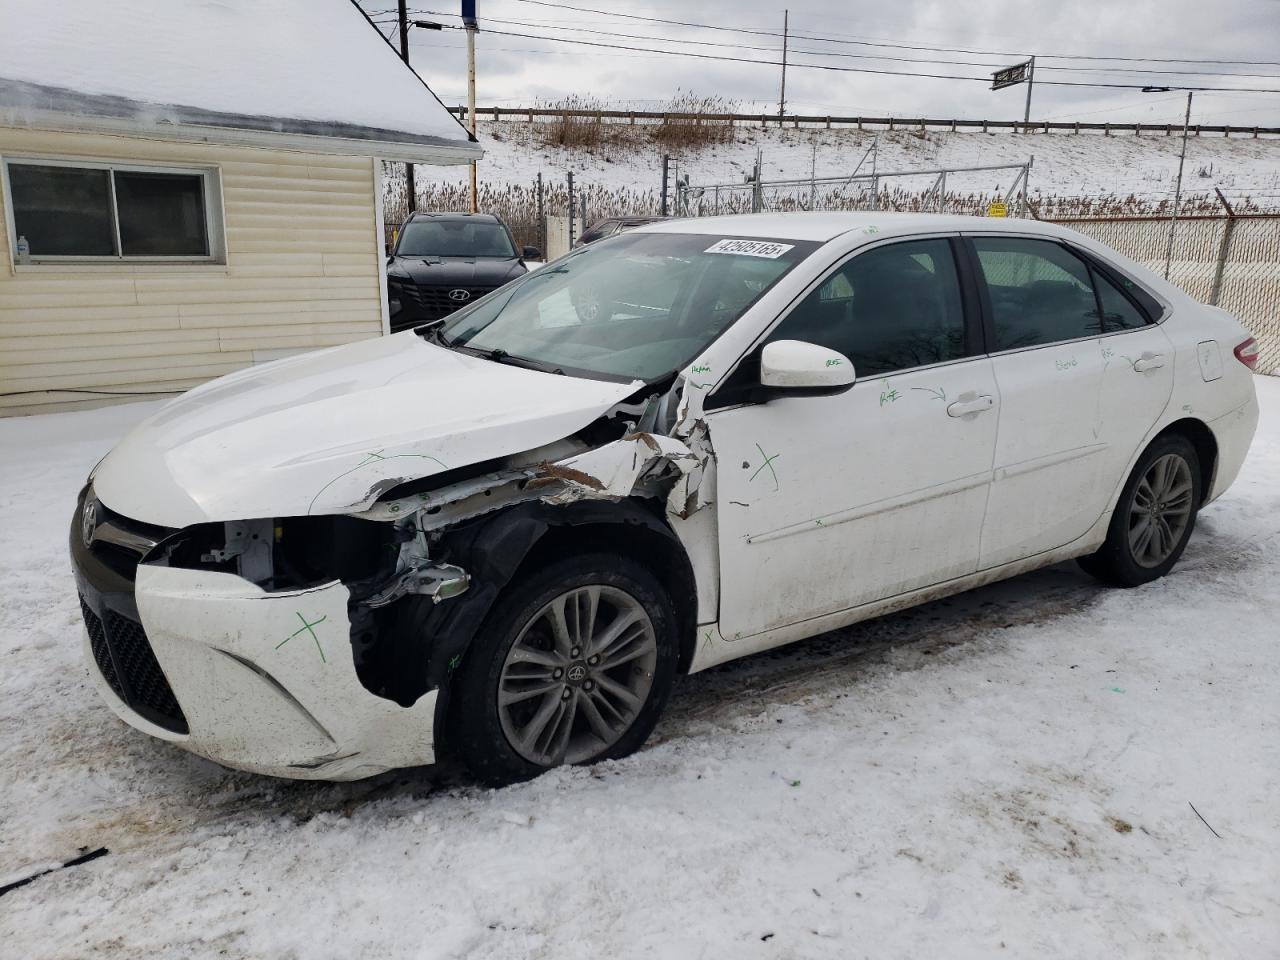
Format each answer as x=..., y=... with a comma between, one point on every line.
x=515, y=70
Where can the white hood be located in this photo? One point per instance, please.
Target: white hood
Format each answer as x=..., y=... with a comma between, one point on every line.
x=328, y=432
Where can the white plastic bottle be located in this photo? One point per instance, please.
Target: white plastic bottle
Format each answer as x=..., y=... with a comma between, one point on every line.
x=24, y=250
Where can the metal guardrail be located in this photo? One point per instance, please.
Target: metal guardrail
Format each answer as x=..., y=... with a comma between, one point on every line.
x=891, y=123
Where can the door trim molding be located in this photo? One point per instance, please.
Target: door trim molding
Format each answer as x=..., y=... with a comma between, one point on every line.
x=1050, y=460
x=886, y=505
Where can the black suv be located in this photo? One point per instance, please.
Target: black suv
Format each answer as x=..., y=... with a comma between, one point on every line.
x=443, y=261
x=611, y=225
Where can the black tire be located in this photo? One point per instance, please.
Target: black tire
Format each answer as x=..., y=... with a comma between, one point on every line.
x=476, y=736
x=1116, y=562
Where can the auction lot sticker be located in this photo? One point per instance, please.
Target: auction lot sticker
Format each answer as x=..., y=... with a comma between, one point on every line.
x=751, y=248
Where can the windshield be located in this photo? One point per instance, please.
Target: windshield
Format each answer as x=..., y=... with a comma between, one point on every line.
x=636, y=306
x=454, y=238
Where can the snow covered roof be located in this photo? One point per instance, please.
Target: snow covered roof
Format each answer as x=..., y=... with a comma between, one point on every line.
x=316, y=72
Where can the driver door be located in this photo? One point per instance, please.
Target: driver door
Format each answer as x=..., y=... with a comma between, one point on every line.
x=830, y=502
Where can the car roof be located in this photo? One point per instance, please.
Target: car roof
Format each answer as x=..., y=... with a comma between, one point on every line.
x=448, y=215
x=827, y=226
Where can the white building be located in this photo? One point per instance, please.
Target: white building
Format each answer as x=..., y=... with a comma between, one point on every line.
x=189, y=187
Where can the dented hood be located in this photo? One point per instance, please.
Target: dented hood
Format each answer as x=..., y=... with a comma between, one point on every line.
x=329, y=432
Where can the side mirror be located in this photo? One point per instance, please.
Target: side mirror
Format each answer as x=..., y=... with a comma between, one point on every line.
x=793, y=365
x=530, y=253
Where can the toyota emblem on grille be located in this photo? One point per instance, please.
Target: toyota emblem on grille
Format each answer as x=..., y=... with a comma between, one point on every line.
x=459, y=296
x=89, y=521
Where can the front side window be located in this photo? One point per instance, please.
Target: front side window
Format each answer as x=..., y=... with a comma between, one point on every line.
x=1040, y=292
x=455, y=238
x=106, y=212
x=639, y=307
x=891, y=308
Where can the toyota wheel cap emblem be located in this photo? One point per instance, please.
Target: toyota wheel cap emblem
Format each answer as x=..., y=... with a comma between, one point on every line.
x=459, y=295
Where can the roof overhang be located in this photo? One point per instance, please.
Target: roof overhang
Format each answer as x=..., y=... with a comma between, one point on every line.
x=40, y=107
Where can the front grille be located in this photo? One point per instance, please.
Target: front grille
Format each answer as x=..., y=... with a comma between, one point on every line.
x=436, y=302
x=124, y=656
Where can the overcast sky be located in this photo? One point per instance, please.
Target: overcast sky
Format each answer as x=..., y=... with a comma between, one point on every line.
x=517, y=71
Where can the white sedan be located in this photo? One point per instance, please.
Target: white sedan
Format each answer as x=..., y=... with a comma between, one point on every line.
x=502, y=536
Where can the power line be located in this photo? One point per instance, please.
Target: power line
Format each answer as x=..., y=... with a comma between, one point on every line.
x=852, y=56
x=836, y=69
x=899, y=46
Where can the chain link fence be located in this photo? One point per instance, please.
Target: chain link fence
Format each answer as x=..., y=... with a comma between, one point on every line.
x=1231, y=261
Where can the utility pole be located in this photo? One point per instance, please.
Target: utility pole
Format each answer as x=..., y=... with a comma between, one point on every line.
x=404, y=55
x=1177, y=190
x=1031, y=79
x=469, y=21
x=782, y=96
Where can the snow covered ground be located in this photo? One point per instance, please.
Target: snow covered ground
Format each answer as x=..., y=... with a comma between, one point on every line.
x=1008, y=773
x=1064, y=164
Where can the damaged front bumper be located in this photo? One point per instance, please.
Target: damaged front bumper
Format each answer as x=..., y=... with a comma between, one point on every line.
x=265, y=682
x=262, y=681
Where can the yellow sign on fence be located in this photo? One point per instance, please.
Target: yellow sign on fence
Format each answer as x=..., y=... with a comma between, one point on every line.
x=997, y=208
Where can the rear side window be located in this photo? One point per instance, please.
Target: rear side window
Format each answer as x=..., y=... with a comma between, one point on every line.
x=891, y=308
x=1118, y=311
x=1040, y=293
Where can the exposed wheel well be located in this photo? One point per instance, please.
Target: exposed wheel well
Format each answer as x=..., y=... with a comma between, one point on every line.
x=661, y=555
x=1202, y=438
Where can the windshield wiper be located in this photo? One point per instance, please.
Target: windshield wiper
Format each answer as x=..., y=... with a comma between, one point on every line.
x=498, y=355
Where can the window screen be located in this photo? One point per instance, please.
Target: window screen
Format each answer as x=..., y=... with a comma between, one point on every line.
x=161, y=214
x=891, y=308
x=1040, y=293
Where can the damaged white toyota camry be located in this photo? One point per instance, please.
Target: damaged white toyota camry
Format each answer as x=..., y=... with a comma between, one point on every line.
x=503, y=536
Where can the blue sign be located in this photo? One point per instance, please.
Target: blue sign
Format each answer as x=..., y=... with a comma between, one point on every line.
x=469, y=12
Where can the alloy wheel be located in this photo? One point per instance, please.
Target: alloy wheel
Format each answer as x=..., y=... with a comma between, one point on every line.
x=577, y=676
x=1160, y=510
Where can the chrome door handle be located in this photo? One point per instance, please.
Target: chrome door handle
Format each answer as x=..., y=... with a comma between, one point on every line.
x=1148, y=361
x=968, y=403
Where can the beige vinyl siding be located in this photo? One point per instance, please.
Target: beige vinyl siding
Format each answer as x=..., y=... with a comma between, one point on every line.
x=301, y=272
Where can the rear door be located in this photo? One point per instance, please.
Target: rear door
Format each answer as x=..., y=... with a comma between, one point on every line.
x=1073, y=405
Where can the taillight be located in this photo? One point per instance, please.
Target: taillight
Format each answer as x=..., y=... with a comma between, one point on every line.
x=1247, y=353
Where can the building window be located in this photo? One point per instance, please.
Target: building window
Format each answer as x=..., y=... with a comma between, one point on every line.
x=82, y=211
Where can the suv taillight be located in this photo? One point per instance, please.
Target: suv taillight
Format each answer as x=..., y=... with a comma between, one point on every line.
x=1247, y=353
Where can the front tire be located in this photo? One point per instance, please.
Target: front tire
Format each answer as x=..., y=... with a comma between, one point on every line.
x=1154, y=516
x=573, y=665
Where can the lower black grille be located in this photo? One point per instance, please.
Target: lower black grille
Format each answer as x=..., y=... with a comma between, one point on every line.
x=98, y=644
x=124, y=656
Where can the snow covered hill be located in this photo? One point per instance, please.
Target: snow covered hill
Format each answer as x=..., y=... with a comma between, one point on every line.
x=1065, y=165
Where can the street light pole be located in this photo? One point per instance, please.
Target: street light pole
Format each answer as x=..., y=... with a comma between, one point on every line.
x=1031, y=79
x=782, y=95
x=1177, y=190
x=471, y=102
x=404, y=55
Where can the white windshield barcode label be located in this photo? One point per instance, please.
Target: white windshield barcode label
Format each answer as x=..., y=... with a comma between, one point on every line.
x=751, y=248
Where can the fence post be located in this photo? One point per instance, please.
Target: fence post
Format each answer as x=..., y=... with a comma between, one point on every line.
x=666, y=162
x=542, y=218
x=1224, y=248
x=571, y=207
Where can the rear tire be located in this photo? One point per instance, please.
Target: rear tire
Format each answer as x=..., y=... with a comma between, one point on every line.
x=573, y=665
x=1153, y=518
